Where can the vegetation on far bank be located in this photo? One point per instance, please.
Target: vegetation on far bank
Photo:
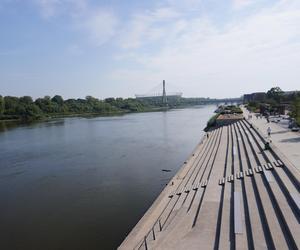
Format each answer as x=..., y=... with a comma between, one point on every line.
x=25, y=108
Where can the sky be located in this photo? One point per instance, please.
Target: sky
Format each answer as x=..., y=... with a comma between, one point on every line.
x=118, y=48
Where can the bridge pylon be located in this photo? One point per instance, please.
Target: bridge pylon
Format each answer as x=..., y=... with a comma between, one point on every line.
x=164, y=96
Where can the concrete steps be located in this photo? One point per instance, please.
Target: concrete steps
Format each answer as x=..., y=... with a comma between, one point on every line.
x=230, y=194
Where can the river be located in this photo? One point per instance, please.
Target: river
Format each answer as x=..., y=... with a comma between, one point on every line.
x=79, y=183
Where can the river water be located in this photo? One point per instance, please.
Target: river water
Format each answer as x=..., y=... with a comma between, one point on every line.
x=79, y=183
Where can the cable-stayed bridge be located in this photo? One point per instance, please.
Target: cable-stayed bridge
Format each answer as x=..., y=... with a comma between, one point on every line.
x=160, y=95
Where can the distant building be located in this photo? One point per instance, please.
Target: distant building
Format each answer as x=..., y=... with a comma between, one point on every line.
x=255, y=97
x=290, y=93
x=262, y=96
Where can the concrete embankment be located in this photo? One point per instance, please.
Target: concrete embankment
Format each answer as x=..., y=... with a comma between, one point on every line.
x=229, y=194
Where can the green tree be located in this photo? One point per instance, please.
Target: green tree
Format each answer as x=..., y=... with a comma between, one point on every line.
x=25, y=100
x=46, y=105
x=1, y=105
x=296, y=108
x=110, y=100
x=11, y=104
x=276, y=94
x=29, y=112
x=27, y=109
x=58, y=99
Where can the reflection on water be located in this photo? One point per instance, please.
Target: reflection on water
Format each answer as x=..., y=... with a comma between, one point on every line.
x=4, y=126
x=81, y=183
x=7, y=125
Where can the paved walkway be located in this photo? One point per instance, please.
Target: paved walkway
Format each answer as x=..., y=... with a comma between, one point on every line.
x=284, y=139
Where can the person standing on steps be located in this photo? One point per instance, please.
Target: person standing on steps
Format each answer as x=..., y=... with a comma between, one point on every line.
x=269, y=131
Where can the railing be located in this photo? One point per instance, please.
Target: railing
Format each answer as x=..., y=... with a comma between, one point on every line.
x=149, y=233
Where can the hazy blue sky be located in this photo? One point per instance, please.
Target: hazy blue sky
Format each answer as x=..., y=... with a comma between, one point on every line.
x=215, y=48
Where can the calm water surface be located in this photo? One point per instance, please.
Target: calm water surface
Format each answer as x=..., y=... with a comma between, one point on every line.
x=80, y=183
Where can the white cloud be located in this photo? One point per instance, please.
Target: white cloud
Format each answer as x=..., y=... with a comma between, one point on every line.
x=75, y=50
x=98, y=24
x=186, y=5
x=246, y=55
x=237, y=54
x=51, y=8
x=48, y=7
x=238, y=4
x=147, y=27
x=101, y=26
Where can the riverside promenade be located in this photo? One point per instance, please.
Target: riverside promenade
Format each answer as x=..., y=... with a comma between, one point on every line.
x=283, y=138
x=229, y=194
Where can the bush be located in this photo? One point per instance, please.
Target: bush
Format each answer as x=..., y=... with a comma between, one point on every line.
x=211, y=122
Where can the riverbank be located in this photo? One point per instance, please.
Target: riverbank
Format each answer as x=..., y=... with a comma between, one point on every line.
x=50, y=117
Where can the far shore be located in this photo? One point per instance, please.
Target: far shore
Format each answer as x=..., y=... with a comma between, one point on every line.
x=89, y=115
x=85, y=115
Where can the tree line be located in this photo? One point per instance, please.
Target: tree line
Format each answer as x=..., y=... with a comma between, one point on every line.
x=26, y=108
x=275, y=98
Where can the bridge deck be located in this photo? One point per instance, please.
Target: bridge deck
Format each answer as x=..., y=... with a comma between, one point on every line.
x=230, y=194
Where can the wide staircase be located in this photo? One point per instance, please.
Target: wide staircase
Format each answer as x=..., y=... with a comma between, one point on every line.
x=230, y=194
